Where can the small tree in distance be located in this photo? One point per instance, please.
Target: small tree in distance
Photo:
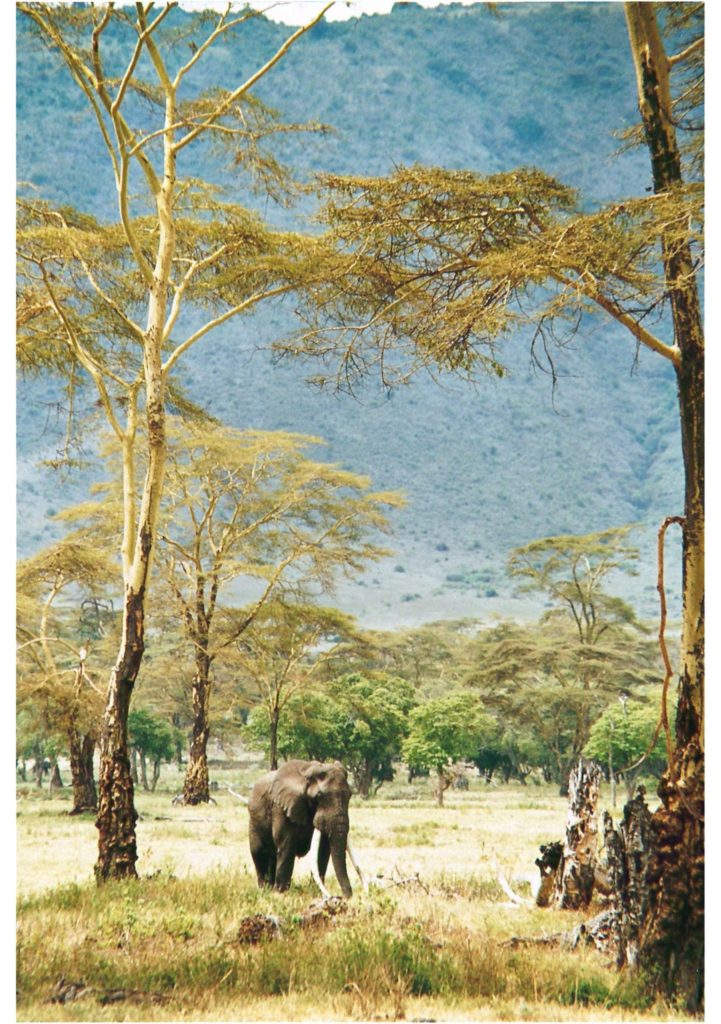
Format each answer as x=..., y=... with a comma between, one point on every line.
x=374, y=711
x=442, y=732
x=154, y=740
x=283, y=652
x=571, y=571
x=357, y=719
x=53, y=641
x=626, y=738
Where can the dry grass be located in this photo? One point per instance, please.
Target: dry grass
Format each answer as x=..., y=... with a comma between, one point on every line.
x=400, y=826
x=420, y=951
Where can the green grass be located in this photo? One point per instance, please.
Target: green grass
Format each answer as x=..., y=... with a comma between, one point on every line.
x=426, y=948
x=176, y=940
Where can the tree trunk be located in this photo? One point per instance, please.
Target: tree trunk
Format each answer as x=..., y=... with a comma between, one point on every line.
x=274, y=719
x=134, y=766
x=156, y=775
x=630, y=781
x=196, y=788
x=575, y=879
x=672, y=941
x=628, y=850
x=363, y=777
x=117, y=848
x=177, y=724
x=82, y=749
x=56, y=781
x=144, y=770
x=444, y=781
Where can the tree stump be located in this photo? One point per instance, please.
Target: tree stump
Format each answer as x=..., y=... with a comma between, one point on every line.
x=257, y=928
x=548, y=864
x=574, y=881
x=320, y=912
x=628, y=851
x=568, y=871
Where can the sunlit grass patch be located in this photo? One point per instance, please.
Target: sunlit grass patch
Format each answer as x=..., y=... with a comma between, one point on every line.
x=421, y=833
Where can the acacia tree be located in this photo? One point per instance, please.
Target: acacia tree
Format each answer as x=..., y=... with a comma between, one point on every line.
x=53, y=678
x=252, y=506
x=441, y=265
x=283, y=652
x=672, y=943
x=571, y=571
x=105, y=301
x=603, y=652
x=540, y=678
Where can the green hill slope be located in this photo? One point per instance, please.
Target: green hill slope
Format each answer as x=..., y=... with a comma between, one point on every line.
x=484, y=470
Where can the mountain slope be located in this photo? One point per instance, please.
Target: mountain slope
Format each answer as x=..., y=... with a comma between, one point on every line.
x=484, y=470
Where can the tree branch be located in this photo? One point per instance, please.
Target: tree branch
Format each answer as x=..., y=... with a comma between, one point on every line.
x=220, y=28
x=648, y=340
x=237, y=93
x=694, y=47
x=83, y=356
x=212, y=324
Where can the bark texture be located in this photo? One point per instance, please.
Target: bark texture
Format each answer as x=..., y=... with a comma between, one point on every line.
x=196, y=787
x=85, y=795
x=575, y=877
x=548, y=864
x=628, y=851
x=672, y=937
x=117, y=848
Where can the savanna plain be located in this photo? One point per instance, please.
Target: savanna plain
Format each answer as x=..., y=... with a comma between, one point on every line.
x=429, y=940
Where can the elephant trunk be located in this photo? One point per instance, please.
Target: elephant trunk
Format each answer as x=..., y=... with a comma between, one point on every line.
x=331, y=818
x=338, y=846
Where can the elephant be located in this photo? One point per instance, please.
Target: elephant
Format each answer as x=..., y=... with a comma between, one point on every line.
x=299, y=804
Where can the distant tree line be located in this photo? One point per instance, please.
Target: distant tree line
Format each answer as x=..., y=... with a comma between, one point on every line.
x=514, y=701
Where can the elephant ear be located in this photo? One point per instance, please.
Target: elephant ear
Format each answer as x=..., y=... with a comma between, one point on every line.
x=289, y=790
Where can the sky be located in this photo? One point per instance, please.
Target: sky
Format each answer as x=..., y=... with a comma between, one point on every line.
x=299, y=12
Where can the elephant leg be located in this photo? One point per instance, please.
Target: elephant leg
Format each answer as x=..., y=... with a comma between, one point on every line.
x=323, y=855
x=285, y=862
x=272, y=858
x=263, y=854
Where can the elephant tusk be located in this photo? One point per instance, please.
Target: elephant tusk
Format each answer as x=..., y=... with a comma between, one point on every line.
x=358, y=871
x=314, y=846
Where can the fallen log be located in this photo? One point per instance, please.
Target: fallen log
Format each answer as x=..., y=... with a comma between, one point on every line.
x=594, y=932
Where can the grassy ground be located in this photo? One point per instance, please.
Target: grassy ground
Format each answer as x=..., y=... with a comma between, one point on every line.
x=167, y=948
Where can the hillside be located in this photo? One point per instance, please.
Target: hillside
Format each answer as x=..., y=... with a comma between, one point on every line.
x=483, y=470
